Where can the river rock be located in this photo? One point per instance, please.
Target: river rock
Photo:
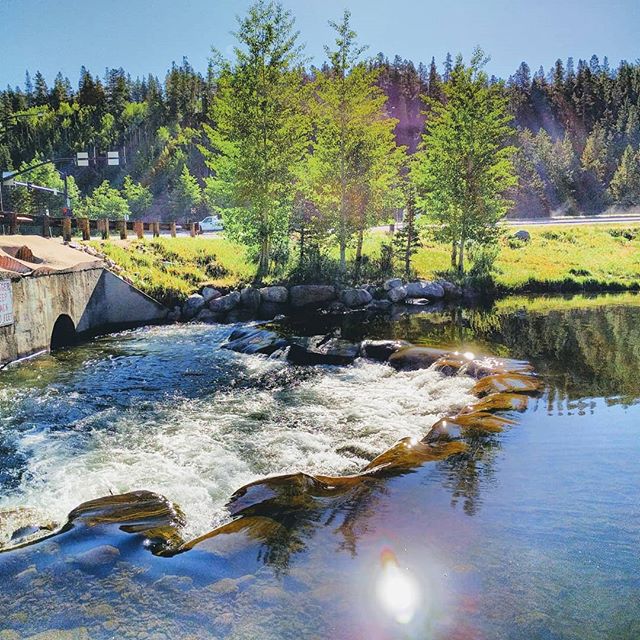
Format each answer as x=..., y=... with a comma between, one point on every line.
x=451, y=291
x=355, y=297
x=225, y=303
x=102, y=555
x=381, y=350
x=192, y=306
x=322, y=350
x=424, y=289
x=239, y=314
x=523, y=235
x=274, y=294
x=206, y=315
x=271, y=310
x=209, y=294
x=308, y=294
x=413, y=358
x=250, y=298
x=254, y=340
x=397, y=294
x=392, y=283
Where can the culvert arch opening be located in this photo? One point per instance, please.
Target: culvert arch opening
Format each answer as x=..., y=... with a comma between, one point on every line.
x=64, y=333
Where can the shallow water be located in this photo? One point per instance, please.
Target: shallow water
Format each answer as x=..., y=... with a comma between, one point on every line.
x=531, y=534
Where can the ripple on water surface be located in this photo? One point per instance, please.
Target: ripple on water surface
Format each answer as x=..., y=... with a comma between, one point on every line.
x=166, y=409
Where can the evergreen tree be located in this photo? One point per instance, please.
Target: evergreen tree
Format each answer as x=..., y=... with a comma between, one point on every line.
x=260, y=132
x=40, y=90
x=465, y=168
x=595, y=153
x=625, y=184
x=448, y=68
x=406, y=241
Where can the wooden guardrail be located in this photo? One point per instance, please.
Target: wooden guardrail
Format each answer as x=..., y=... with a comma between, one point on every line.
x=12, y=223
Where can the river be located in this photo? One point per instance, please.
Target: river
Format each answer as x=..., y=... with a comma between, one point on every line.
x=532, y=533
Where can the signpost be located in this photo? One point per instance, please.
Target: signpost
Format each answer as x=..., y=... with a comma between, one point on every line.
x=6, y=303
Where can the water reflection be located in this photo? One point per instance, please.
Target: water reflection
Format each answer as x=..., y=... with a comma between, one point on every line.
x=531, y=532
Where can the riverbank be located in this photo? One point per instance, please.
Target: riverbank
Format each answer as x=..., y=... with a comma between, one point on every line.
x=553, y=259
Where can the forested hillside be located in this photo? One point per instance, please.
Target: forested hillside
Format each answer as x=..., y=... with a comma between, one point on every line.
x=578, y=132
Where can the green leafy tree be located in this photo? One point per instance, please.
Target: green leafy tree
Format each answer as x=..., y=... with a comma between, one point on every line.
x=625, y=184
x=138, y=197
x=260, y=132
x=105, y=202
x=464, y=169
x=352, y=174
x=186, y=196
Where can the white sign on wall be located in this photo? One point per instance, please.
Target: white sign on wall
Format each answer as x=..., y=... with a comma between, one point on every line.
x=6, y=303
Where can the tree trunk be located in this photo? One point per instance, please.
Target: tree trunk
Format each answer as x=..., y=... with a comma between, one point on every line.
x=454, y=255
x=461, y=258
x=359, y=251
x=264, y=260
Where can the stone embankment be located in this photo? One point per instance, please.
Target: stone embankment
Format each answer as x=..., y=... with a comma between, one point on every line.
x=266, y=303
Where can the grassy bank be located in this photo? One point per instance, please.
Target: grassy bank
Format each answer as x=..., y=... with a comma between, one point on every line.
x=585, y=258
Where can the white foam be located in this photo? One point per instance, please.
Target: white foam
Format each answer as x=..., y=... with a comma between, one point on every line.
x=197, y=452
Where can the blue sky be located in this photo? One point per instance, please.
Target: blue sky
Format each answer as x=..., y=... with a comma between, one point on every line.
x=146, y=35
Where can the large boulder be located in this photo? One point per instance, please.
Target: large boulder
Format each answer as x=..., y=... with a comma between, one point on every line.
x=208, y=316
x=397, y=294
x=381, y=350
x=192, y=306
x=451, y=291
x=278, y=295
x=522, y=235
x=225, y=303
x=254, y=340
x=355, y=297
x=322, y=350
x=412, y=358
x=311, y=294
x=424, y=289
x=209, y=294
x=392, y=283
x=271, y=310
x=250, y=298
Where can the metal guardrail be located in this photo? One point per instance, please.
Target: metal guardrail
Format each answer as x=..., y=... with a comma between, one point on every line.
x=12, y=223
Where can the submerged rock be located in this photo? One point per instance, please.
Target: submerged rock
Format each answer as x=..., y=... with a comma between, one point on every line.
x=308, y=294
x=255, y=340
x=322, y=350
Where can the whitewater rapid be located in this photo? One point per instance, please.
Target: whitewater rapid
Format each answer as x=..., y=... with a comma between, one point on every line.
x=167, y=410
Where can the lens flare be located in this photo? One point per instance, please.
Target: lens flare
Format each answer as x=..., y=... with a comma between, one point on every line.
x=397, y=590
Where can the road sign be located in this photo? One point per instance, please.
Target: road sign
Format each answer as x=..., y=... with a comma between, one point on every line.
x=6, y=303
x=82, y=159
x=113, y=158
x=7, y=180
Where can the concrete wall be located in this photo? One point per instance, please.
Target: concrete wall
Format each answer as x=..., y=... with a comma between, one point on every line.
x=95, y=299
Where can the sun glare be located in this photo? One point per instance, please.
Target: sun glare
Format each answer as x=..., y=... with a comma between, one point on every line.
x=397, y=590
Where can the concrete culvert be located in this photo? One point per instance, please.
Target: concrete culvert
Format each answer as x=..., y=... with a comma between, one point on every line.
x=64, y=333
